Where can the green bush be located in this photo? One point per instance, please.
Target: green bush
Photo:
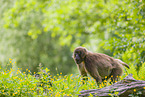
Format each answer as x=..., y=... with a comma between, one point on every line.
x=18, y=84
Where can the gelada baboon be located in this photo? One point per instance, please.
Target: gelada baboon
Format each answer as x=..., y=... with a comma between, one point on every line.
x=100, y=66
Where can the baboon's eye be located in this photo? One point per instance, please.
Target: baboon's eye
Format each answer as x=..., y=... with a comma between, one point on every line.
x=77, y=52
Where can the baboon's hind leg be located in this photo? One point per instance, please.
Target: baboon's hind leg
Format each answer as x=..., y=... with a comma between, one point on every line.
x=115, y=74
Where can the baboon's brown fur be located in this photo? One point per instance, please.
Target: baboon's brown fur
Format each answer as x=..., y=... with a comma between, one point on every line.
x=99, y=66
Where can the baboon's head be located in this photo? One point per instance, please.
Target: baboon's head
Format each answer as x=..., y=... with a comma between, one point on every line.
x=79, y=54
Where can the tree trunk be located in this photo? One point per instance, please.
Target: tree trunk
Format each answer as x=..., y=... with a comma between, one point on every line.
x=124, y=88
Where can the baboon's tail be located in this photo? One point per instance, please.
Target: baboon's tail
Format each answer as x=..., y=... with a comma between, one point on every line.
x=123, y=63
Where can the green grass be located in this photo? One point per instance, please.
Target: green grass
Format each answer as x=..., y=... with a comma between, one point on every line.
x=13, y=82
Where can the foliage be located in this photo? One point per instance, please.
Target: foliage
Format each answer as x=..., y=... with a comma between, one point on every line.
x=127, y=29
x=46, y=31
x=16, y=43
x=17, y=83
x=53, y=17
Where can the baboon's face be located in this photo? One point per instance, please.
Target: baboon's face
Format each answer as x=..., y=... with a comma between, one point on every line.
x=79, y=54
x=77, y=57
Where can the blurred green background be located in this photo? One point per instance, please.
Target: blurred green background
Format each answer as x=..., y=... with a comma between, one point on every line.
x=47, y=32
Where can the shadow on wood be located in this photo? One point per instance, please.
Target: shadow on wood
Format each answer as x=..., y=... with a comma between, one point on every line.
x=122, y=88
